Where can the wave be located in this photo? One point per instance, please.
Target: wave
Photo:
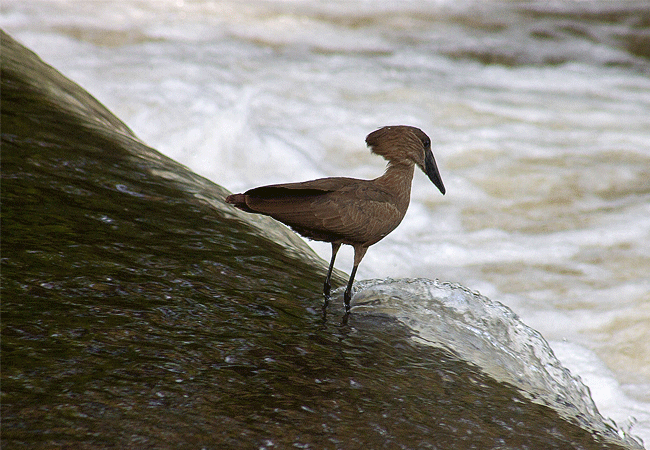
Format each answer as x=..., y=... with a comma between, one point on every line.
x=487, y=334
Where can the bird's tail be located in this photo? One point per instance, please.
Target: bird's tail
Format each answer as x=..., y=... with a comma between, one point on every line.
x=236, y=199
x=239, y=201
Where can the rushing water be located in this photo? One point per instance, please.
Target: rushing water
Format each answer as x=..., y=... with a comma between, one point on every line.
x=538, y=114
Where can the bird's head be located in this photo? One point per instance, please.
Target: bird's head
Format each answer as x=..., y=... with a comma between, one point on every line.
x=401, y=144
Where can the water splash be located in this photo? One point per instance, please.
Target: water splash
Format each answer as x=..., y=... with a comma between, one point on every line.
x=490, y=336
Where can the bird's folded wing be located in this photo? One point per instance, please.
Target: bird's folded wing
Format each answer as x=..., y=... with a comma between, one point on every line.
x=352, y=211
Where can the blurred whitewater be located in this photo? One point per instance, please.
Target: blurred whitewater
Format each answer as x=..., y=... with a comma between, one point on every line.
x=538, y=114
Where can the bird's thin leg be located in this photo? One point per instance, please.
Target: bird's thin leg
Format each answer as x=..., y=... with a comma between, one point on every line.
x=359, y=252
x=348, y=291
x=327, y=286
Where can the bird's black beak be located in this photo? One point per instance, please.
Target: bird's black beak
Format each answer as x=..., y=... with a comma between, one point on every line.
x=431, y=169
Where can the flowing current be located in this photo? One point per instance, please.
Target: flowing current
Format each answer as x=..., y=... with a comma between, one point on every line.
x=538, y=115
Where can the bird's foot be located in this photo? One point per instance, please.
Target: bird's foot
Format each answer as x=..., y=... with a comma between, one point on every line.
x=326, y=298
x=326, y=302
x=327, y=287
x=346, y=299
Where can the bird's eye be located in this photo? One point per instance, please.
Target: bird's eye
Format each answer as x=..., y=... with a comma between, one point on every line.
x=426, y=142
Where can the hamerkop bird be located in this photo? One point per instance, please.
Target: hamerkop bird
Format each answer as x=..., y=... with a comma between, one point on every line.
x=346, y=210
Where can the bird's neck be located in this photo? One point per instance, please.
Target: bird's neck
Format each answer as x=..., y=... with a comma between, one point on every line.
x=397, y=180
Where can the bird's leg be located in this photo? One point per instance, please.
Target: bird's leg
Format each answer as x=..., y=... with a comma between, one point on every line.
x=327, y=286
x=348, y=291
x=359, y=252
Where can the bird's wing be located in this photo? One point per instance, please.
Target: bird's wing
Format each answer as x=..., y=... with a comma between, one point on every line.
x=329, y=209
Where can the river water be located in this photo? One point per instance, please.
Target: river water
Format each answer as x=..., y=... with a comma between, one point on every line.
x=538, y=114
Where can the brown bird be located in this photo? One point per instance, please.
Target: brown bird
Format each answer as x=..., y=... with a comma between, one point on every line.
x=347, y=210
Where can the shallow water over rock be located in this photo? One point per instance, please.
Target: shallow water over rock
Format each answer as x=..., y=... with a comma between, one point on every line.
x=140, y=311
